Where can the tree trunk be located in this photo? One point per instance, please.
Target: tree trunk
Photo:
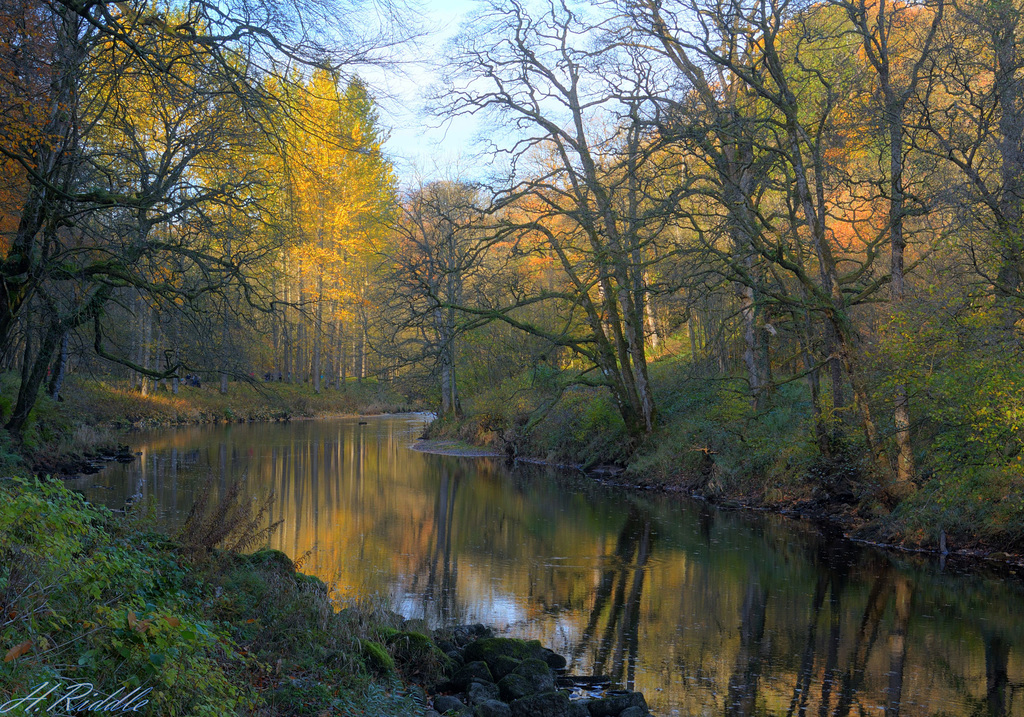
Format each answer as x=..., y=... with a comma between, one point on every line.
x=651, y=318
x=344, y=356
x=60, y=368
x=318, y=329
x=33, y=375
x=50, y=158
x=1011, y=150
x=146, y=345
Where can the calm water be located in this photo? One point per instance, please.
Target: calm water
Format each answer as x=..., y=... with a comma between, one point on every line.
x=707, y=612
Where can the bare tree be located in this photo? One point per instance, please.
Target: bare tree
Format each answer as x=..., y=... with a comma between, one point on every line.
x=438, y=253
x=591, y=185
x=898, y=41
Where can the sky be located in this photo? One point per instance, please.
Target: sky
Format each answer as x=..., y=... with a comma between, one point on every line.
x=418, y=146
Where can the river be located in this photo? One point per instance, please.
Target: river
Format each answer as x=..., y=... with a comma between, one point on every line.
x=708, y=612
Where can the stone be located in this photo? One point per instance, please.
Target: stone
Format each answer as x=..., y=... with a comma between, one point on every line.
x=515, y=686
x=546, y=704
x=490, y=648
x=465, y=634
x=615, y=702
x=376, y=657
x=479, y=692
x=271, y=558
x=469, y=672
x=503, y=665
x=531, y=677
x=554, y=660
x=634, y=712
x=445, y=704
x=492, y=708
x=578, y=708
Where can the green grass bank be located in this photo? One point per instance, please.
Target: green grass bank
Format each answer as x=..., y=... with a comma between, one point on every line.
x=93, y=415
x=91, y=597
x=711, y=443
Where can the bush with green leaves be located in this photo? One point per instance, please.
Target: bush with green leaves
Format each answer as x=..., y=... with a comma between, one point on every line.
x=87, y=598
x=90, y=596
x=966, y=386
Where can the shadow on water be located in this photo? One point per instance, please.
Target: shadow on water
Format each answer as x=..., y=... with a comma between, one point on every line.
x=707, y=612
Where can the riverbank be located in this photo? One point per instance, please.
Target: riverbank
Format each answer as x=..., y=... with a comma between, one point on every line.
x=90, y=421
x=102, y=610
x=967, y=498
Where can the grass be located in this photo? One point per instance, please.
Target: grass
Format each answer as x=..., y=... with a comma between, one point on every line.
x=90, y=596
x=93, y=414
x=115, y=403
x=711, y=442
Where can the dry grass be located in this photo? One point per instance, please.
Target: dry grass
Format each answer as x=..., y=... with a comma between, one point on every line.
x=232, y=521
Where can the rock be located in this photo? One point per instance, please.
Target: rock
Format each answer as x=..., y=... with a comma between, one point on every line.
x=465, y=634
x=531, y=677
x=468, y=673
x=414, y=651
x=616, y=702
x=445, y=704
x=503, y=665
x=492, y=708
x=578, y=708
x=377, y=658
x=546, y=704
x=489, y=649
x=271, y=558
x=554, y=660
x=311, y=583
x=480, y=692
x=634, y=712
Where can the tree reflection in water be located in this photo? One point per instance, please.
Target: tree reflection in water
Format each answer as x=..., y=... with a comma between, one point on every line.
x=707, y=612
x=621, y=583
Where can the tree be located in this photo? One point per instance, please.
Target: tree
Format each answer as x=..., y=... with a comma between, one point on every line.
x=972, y=108
x=438, y=252
x=122, y=127
x=897, y=42
x=590, y=185
x=339, y=199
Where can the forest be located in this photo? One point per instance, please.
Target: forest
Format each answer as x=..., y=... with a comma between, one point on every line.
x=767, y=251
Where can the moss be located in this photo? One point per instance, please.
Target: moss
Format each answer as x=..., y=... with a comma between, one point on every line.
x=385, y=632
x=418, y=656
x=377, y=658
x=270, y=558
x=311, y=581
x=491, y=648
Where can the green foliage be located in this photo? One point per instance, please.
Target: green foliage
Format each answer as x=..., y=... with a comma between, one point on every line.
x=966, y=382
x=90, y=596
x=584, y=427
x=712, y=440
x=10, y=458
x=967, y=387
x=103, y=604
x=418, y=657
x=377, y=658
x=973, y=506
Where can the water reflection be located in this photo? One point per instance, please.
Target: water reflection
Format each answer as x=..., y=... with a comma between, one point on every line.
x=706, y=612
